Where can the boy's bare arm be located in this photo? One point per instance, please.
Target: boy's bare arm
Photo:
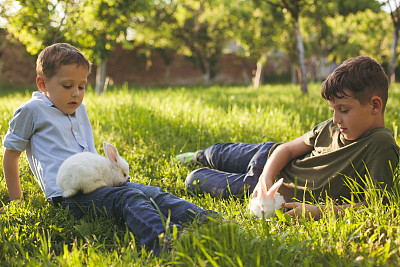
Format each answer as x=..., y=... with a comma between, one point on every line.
x=279, y=158
x=11, y=173
x=299, y=209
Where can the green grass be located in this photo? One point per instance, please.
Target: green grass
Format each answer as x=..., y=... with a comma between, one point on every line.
x=150, y=126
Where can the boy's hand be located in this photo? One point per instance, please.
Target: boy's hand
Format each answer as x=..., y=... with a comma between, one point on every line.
x=257, y=190
x=298, y=208
x=311, y=211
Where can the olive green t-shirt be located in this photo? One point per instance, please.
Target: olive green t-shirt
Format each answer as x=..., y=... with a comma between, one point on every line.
x=323, y=170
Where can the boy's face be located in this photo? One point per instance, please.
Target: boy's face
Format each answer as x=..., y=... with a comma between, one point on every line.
x=66, y=88
x=352, y=118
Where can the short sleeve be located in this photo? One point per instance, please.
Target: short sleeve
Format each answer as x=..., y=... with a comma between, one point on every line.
x=21, y=128
x=382, y=165
x=310, y=137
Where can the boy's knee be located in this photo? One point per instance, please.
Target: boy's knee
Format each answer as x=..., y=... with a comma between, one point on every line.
x=197, y=182
x=195, y=178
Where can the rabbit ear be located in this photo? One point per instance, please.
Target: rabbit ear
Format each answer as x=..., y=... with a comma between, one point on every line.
x=111, y=152
x=105, y=143
x=261, y=191
x=274, y=188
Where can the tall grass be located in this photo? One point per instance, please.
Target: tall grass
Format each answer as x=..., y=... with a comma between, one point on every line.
x=150, y=126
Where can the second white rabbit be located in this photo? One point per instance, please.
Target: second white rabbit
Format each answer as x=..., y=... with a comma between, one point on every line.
x=265, y=203
x=87, y=171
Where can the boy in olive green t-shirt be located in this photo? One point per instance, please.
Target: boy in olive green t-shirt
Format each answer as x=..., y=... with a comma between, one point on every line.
x=352, y=143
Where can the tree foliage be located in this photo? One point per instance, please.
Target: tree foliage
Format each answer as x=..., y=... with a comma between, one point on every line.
x=199, y=30
x=94, y=26
x=346, y=7
x=362, y=33
x=294, y=8
x=203, y=27
x=309, y=32
x=258, y=28
x=152, y=31
x=102, y=25
x=39, y=23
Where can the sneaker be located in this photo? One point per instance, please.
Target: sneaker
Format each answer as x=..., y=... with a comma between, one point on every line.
x=186, y=158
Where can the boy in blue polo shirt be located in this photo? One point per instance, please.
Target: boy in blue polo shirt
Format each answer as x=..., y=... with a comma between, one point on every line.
x=54, y=125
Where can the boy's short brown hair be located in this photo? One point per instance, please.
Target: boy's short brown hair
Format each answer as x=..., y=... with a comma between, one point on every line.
x=362, y=76
x=54, y=56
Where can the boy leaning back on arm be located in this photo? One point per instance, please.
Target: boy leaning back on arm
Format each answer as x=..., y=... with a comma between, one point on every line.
x=353, y=143
x=53, y=125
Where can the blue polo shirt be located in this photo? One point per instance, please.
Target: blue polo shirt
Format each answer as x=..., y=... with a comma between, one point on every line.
x=48, y=136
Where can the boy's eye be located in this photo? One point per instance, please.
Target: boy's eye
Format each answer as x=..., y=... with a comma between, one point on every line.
x=81, y=87
x=67, y=86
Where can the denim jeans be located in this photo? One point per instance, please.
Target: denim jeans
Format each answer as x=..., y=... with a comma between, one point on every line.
x=132, y=203
x=231, y=168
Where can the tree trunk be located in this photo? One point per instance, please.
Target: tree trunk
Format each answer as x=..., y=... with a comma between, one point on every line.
x=391, y=71
x=167, y=56
x=206, y=77
x=167, y=75
x=293, y=73
x=258, y=77
x=101, y=76
x=300, y=50
x=245, y=76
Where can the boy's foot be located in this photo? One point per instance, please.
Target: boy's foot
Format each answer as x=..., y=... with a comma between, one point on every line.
x=188, y=157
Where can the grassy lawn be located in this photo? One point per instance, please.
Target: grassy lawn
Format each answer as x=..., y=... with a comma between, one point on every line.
x=149, y=127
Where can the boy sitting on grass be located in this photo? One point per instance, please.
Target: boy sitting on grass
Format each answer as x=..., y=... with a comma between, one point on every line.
x=353, y=143
x=54, y=125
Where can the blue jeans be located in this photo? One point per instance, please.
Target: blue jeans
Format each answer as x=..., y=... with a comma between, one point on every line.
x=131, y=203
x=231, y=168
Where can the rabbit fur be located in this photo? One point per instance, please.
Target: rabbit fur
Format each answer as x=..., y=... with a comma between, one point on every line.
x=265, y=203
x=87, y=171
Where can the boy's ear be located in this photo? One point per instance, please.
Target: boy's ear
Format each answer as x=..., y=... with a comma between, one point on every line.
x=41, y=83
x=377, y=105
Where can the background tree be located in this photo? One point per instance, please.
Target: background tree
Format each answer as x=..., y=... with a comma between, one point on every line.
x=362, y=33
x=203, y=30
x=317, y=36
x=322, y=39
x=293, y=8
x=394, y=8
x=256, y=28
x=152, y=32
x=346, y=7
x=39, y=23
x=94, y=26
x=103, y=25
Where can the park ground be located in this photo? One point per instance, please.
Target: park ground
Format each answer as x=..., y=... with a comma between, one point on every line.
x=149, y=126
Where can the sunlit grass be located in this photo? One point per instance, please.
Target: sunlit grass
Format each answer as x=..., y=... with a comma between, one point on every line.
x=149, y=127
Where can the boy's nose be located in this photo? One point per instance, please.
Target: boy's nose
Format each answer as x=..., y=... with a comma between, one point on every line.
x=336, y=118
x=75, y=92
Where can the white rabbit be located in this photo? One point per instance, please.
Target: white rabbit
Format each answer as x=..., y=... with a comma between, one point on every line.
x=265, y=203
x=87, y=171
